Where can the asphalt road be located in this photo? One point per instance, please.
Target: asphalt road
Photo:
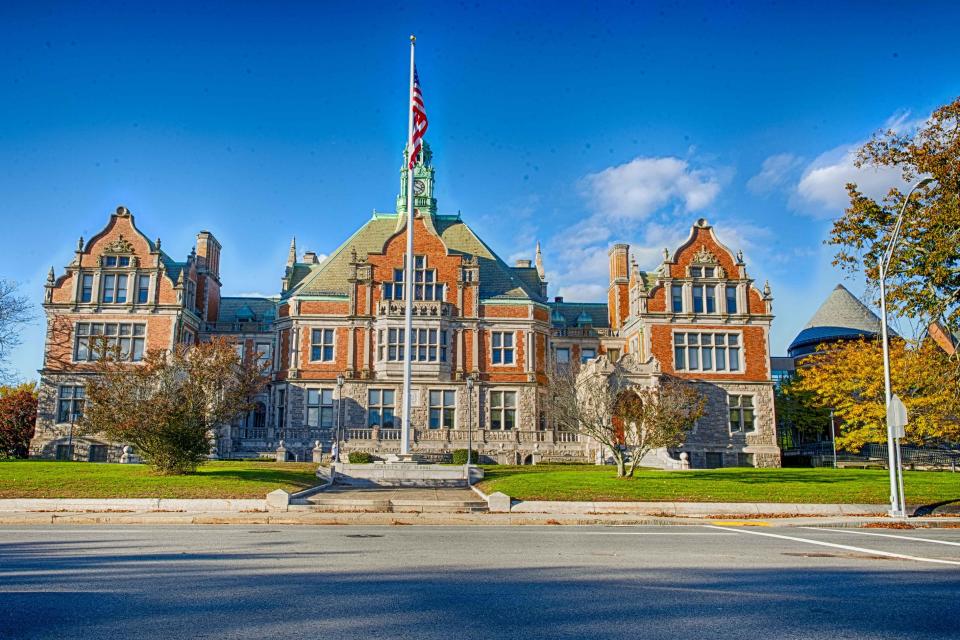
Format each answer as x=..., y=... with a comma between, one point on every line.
x=454, y=583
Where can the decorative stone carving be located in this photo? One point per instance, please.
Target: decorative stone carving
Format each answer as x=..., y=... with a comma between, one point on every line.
x=120, y=245
x=703, y=256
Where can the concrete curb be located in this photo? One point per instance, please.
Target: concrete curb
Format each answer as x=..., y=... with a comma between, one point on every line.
x=20, y=505
x=313, y=518
x=697, y=509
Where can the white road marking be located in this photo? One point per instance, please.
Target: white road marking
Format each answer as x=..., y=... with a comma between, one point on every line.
x=845, y=547
x=885, y=535
x=650, y=533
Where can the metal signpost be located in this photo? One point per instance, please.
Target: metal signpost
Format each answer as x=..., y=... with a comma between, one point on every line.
x=896, y=421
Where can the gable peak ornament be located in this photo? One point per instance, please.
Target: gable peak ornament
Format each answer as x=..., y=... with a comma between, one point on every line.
x=120, y=245
x=703, y=256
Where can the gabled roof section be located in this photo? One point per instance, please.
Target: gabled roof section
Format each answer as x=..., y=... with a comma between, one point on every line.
x=529, y=276
x=573, y=312
x=497, y=280
x=247, y=309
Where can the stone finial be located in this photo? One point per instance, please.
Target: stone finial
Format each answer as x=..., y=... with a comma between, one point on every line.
x=766, y=289
x=122, y=211
x=740, y=256
x=539, y=262
x=292, y=253
x=158, y=243
x=180, y=280
x=50, y=276
x=80, y=244
x=666, y=254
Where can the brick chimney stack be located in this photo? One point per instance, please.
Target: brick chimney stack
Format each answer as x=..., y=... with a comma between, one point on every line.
x=617, y=297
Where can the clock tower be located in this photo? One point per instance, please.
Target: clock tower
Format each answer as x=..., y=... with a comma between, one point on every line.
x=423, y=181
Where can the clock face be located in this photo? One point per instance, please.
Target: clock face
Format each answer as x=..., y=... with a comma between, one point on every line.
x=419, y=186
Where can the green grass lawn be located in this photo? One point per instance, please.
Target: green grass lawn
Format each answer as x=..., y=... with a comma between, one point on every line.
x=593, y=483
x=225, y=479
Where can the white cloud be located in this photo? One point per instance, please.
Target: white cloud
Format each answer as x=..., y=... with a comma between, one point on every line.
x=774, y=173
x=822, y=191
x=638, y=188
x=822, y=188
x=249, y=294
x=584, y=292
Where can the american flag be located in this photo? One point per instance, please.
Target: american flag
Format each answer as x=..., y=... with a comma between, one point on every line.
x=419, y=120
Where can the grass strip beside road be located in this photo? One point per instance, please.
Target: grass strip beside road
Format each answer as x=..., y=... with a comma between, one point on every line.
x=222, y=479
x=590, y=483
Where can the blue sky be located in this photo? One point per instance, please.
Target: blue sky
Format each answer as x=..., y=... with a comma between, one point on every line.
x=575, y=124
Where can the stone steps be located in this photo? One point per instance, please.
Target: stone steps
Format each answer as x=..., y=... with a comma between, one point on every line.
x=323, y=503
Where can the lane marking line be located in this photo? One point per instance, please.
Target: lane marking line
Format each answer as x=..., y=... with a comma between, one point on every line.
x=650, y=533
x=741, y=523
x=845, y=547
x=885, y=535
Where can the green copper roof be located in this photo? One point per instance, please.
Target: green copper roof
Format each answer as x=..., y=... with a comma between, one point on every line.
x=574, y=314
x=497, y=280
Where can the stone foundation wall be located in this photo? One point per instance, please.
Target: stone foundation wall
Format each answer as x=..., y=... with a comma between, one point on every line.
x=712, y=433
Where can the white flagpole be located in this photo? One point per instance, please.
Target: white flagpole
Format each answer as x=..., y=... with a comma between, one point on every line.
x=408, y=276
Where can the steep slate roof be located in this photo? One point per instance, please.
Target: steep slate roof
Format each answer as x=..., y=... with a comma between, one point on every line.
x=571, y=312
x=529, y=276
x=237, y=309
x=171, y=266
x=497, y=280
x=841, y=317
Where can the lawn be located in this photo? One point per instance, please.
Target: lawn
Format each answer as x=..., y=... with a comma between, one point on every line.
x=593, y=483
x=224, y=479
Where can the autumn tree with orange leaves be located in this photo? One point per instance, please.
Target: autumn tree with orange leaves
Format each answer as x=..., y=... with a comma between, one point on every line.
x=924, y=274
x=848, y=378
x=169, y=405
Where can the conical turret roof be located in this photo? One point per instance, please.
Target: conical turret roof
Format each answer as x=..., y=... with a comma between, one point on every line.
x=841, y=317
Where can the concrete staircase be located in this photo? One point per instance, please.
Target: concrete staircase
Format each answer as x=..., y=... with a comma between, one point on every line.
x=396, y=500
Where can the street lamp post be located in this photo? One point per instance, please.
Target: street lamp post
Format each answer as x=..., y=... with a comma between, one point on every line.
x=469, y=426
x=833, y=439
x=897, y=506
x=340, y=381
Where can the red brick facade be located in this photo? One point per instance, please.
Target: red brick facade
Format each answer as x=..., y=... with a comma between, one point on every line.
x=475, y=318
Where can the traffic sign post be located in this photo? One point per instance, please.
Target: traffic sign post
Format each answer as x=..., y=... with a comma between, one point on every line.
x=896, y=423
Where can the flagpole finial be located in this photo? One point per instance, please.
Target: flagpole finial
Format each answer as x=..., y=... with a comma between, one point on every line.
x=413, y=39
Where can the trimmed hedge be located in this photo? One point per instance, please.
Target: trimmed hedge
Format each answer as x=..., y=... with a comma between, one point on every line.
x=359, y=457
x=460, y=457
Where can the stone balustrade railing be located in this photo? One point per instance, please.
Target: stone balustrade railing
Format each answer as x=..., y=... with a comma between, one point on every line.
x=460, y=436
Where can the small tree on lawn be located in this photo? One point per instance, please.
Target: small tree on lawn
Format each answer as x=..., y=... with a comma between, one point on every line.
x=626, y=419
x=18, y=416
x=659, y=417
x=169, y=405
